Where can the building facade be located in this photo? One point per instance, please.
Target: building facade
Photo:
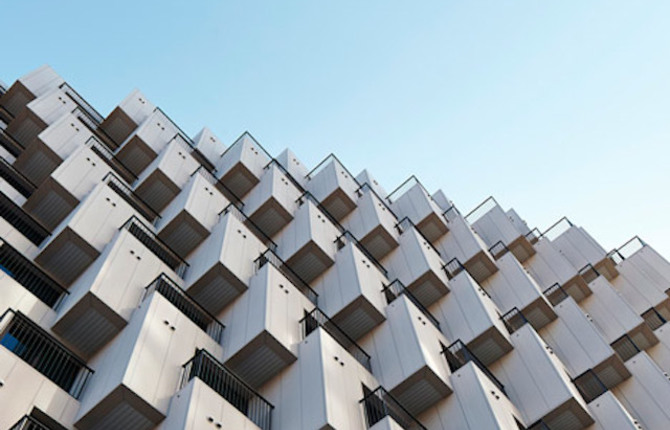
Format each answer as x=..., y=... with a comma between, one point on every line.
x=154, y=280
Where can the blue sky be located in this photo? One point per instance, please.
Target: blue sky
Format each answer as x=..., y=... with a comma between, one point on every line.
x=555, y=108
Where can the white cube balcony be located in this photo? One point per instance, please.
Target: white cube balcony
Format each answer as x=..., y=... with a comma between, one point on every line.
x=496, y=229
x=223, y=264
x=27, y=88
x=164, y=178
x=272, y=203
x=334, y=186
x=365, y=177
x=207, y=148
x=609, y=413
x=190, y=217
x=407, y=357
x=242, y=165
x=411, y=200
x=469, y=314
x=374, y=223
x=127, y=116
x=293, y=166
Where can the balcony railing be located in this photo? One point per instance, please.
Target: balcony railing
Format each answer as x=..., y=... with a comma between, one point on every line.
x=451, y=213
x=453, y=267
x=45, y=354
x=539, y=425
x=348, y=237
x=557, y=228
x=29, y=423
x=22, y=221
x=396, y=288
x=16, y=179
x=589, y=385
x=626, y=250
x=498, y=249
x=86, y=107
x=227, y=192
x=240, y=395
x=144, y=234
x=588, y=273
x=130, y=197
x=653, y=318
x=32, y=278
x=533, y=236
x=555, y=294
x=406, y=224
x=379, y=404
x=10, y=143
x=187, y=305
x=317, y=318
x=108, y=157
x=625, y=347
x=458, y=355
x=366, y=186
x=513, y=320
x=237, y=213
x=269, y=256
x=481, y=209
x=405, y=186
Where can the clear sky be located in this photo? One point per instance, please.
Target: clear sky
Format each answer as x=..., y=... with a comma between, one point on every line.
x=555, y=108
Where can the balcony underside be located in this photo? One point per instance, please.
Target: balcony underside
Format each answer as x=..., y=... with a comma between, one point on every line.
x=118, y=125
x=428, y=288
x=489, y=346
x=37, y=162
x=239, y=179
x=338, y=204
x=607, y=268
x=157, y=190
x=50, y=204
x=432, y=227
x=577, y=288
x=521, y=248
x=358, y=318
x=135, y=155
x=25, y=127
x=66, y=256
x=612, y=371
x=568, y=416
x=310, y=262
x=16, y=98
x=271, y=217
x=480, y=266
x=539, y=313
x=183, y=233
x=421, y=390
x=121, y=409
x=217, y=288
x=379, y=242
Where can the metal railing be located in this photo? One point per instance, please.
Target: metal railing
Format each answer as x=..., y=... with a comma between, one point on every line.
x=625, y=347
x=482, y=208
x=31, y=277
x=16, y=179
x=451, y=213
x=405, y=186
x=539, y=425
x=629, y=248
x=86, y=107
x=255, y=229
x=653, y=318
x=406, y=224
x=41, y=351
x=324, y=163
x=588, y=273
x=29, y=423
x=231, y=387
x=555, y=294
x=271, y=257
x=366, y=186
x=498, y=249
x=453, y=267
x=129, y=196
x=513, y=319
x=216, y=182
x=14, y=214
x=187, y=305
x=557, y=228
x=108, y=157
x=10, y=143
x=533, y=236
x=396, y=288
x=458, y=355
x=589, y=385
x=348, y=237
x=317, y=318
x=149, y=239
x=379, y=404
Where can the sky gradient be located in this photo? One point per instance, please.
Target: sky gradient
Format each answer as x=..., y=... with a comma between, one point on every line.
x=555, y=108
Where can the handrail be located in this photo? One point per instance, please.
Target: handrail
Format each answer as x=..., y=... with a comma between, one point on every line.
x=555, y=294
x=367, y=186
x=379, y=404
x=624, y=251
x=317, y=318
x=269, y=256
x=347, y=236
x=286, y=173
x=458, y=355
x=130, y=197
x=556, y=224
x=187, y=305
x=227, y=192
x=82, y=103
x=231, y=387
x=396, y=288
x=110, y=158
x=321, y=165
x=479, y=206
x=453, y=267
x=28, y=423
x=16, y=179
x=94, y=127
x=404, y=186
x=401, y=226
x=513, y=319
x=15, y=215
x=588, y=273
x=498, y=249
x=451, y=213
x=186, y=137
x=240, y=216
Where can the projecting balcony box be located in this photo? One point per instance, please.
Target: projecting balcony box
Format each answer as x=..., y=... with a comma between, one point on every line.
x=351, y=293
x=134, y=110
x=580, y=249
x=291, y=164
x=104, y=297
x=272, y=203
x=496, y=230
x=208, y=146
x=190, y=217
x=242, y=165
x=332, y=184
x=536, y=382
x=37, y=372
x=66, y=186
x=28, y=87
x=465, y=245
x=616, y=319
x=365, y=177
x=411, y=200
x=144, y=144
x=418, y=266
x=551, y=270
x=374, y=223
x=81, y=237
x=267, y=331
x=307, y=244
x=609, y=413
x=581, y=347
x=513, y=287
x=407, y=357
x=223, y=264
x=141, y=368
x=164, y=178
x=469, y=314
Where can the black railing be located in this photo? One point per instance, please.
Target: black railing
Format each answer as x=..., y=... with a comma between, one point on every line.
x=240, y=395
x=513, y=319
x=453, y=267
x=588, y=273
x=10, y=143
x=86, y=107
x=405, y=186
x=533, y=236
x=498, y=249
x=255, y=229
x=365, y=186
x=589, y=385
x=625, y=347
x=482, y=208
x=653, y=318
x=16, y=179
x=323, y=163
x=45, y=354
x=108, y=157
x=149, y=239
x=539, y=425
x=451, y=213
x=227, y=192
x=629, y=248
x=29, y=423
x=317, y=318
x=458, y=355
x=555, y=294
x=557, y=228
x=32, y=278
x=407, y=224
x=271, y=257
x=347, y=237
x=396, y=288
x=283, y=170
x=14, y=214
x=379, y=404
x=130, y=197
x=187, y=305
